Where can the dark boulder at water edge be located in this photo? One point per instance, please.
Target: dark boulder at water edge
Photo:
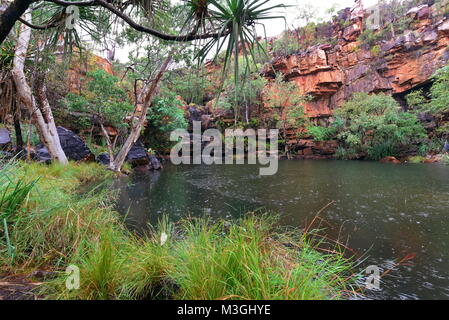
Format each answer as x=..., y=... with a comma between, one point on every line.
x=155, y=163
x=103, y=158
x=139, y=157
x=73, y=146
x=75, y=149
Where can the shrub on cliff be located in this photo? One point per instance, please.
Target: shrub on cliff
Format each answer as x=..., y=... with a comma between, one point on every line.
x=164, y=116
x=434, y=102
x=373, y=126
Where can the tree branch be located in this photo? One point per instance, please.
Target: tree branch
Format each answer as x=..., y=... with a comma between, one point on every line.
x=136, y=26
x=18, y=7
x=39, y=27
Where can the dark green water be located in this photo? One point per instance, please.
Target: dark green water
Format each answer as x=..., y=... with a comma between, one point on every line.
x=385, y=211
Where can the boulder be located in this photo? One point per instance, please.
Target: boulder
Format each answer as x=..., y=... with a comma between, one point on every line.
x=73, y=146
x=103, y=158
x=42, y=154
x=137, y=155
x=427, y=120
x=325, y=147
x=5, y=155
x=194, y=114
x=444, y=27
x=390, y=159
x=5, y=138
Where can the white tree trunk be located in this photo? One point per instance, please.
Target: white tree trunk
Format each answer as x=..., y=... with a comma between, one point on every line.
x=108, y=142
x=40, y=112
x=136, y=126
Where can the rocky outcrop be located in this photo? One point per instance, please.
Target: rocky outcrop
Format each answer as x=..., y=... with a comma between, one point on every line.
x=74, y=147
x=103, y=158
x=137, y=155
x=331, y=74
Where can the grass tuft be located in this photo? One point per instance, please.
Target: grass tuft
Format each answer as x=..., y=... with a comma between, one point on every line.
x=58, y=224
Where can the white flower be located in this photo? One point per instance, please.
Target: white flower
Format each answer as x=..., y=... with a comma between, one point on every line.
x=164, y=238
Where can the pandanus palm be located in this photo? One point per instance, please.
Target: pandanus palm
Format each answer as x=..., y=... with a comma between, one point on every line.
x=235, y=22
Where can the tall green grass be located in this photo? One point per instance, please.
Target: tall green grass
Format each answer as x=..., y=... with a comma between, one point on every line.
x=247, y=259
x=193, y=259
x=13, y=194
x=46, y=219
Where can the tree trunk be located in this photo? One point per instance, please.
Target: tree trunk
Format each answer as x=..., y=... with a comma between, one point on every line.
x=136, y=127
x=41, y=111
x=10, y=16
x=108, y=142
x=17, y=128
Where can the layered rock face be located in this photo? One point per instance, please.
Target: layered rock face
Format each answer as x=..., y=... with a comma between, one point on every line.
x=331, y=74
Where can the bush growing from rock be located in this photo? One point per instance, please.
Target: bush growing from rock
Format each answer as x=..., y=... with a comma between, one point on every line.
x=373, y=127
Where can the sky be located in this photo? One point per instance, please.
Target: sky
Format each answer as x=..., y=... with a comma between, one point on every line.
x=276, y=26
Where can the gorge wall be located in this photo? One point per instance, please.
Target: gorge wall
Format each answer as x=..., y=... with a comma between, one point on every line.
x=331, y=71
x=331, y=74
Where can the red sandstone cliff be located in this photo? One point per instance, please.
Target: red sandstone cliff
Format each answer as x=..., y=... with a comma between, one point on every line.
x=331, y=74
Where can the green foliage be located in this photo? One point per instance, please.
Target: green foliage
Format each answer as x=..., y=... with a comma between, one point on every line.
x=247, y=91
x=416, y=100
x=45, y=216
x=320, y=133
x=375, y=50
x=445, y=159
x=311, y=34
x=28, y=132
x=433, y=145
x=104, y=100
x=13, y=193
x=287, y=101
x=242, y=93
x=346, y=153
x=246, y=259
x=416, y=159
x=243, y=264
x=190, y=85
x=369, y=37
x=166, y=114
x=374, y=126
x=6, y=55
x=439, y=92
x=434, y=102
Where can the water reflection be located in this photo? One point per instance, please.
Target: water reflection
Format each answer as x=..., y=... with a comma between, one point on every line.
x=390, y=210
